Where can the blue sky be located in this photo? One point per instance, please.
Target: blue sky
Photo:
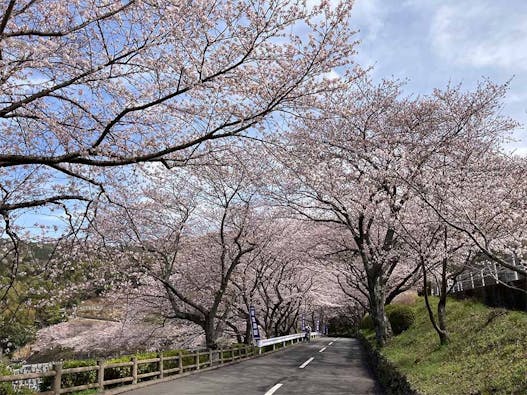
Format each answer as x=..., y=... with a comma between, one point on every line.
x=432, y=42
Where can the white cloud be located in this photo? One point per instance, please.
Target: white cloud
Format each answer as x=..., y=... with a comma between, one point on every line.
x=370, y=14
x=332, y=75
x=481, y=34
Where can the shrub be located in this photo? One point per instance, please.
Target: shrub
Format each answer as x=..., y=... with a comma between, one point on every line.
x=401, y=317
x=73, y=379
x=120, y=372
x=148, y=367
x=25, y=391
x=174, y=363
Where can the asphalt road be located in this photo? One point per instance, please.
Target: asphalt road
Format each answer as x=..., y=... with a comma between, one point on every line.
x=324, y=366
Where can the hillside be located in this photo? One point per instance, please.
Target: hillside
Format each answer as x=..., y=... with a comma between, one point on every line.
x=82, y=337
x=487, y=352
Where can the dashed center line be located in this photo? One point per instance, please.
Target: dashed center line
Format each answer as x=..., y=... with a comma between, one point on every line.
x=306, y=363
x=330, y=343
x=273, y=389
x=322, y=349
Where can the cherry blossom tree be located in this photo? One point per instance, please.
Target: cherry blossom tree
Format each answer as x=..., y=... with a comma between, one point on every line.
x=184, y=235
x=283, y=279
x=283, y=292
x=441, y=255
x=354, y=165
x=342, y=165
x=470, y=194
x=88, y=87
x=484, y=199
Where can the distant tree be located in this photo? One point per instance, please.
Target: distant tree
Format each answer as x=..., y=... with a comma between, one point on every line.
x=183, y=236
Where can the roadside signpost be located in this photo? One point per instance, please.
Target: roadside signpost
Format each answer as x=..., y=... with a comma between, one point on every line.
x=254, y=324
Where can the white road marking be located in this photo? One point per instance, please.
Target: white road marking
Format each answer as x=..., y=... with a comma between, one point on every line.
x=273, y=389
x=322, y=349
x=306, y=363
x=330, y=343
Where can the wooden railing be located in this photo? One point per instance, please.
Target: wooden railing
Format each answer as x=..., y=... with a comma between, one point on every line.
x=186, y=362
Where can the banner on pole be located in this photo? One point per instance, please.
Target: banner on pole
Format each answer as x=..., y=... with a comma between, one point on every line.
x=317, y=326
x=254, y=324
x=303, y=323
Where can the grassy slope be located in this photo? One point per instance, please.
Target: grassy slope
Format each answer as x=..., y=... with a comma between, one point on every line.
x=487, y=352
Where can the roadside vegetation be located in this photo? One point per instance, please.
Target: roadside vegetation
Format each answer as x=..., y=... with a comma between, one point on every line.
x=487, y=352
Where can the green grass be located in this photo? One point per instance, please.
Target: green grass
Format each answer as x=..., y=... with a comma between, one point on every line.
x=487, y=353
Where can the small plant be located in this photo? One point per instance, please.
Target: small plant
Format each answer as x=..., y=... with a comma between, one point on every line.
x=5, y=388
x=366, y=323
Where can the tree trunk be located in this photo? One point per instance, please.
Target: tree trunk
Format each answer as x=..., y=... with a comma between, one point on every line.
x=383, y=329
x=441, y=319
x=441, y=306
x=239, y=337
x=248, y=331
x=211, y=335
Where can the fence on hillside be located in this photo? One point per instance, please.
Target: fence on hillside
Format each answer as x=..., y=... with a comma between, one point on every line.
x=491, y=284
x=486, y=275
x=122, y=376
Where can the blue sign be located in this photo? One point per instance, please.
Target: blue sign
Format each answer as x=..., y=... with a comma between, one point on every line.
x=254, y=324
x=303, y=323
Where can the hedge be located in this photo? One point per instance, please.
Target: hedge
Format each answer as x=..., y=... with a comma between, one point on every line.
x=401, y=317
x=394, y=382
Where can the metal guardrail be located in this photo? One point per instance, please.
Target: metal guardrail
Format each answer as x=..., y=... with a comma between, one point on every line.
x=294, y=338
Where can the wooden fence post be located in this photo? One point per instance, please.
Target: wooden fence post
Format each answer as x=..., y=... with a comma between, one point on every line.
x=210, y=357
x=100, y=375
x=197, y=360
x=180, y=362
x=161, y=367
x=57, y=380
x=134, y=370
x=221, y=356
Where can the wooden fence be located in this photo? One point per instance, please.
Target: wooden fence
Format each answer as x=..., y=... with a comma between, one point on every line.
x=166, y=365
x=179, y=365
